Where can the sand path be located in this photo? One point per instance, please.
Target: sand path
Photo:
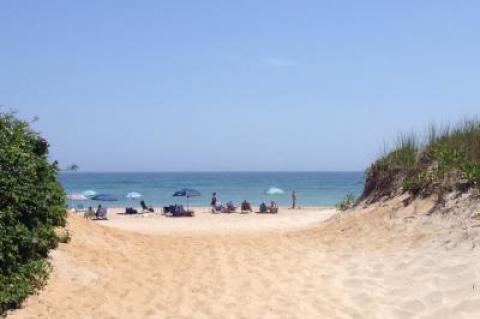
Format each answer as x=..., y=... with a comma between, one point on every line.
x=378, y=263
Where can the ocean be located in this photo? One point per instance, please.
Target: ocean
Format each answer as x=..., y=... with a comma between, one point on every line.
x=312, y=188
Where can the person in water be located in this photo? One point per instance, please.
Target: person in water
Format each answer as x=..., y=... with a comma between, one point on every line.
x=294, y=199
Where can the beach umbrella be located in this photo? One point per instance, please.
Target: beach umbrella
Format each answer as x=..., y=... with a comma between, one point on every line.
x=89, y=193
x=76, y=196
x=105, y=198
x=274, y=191
x=187, y=192
x=133, y=195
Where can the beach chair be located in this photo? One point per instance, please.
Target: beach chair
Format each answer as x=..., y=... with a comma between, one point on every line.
x=273, y=209
x=230, y=208
x=89, y=214
x=101, y=213
x=262, y=209
x=179, y=211
x=218, y=208
x=145, y=208
x=245, y=207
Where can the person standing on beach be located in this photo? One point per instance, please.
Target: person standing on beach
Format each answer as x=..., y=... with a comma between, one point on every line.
x=213, y=203
x=294, y=199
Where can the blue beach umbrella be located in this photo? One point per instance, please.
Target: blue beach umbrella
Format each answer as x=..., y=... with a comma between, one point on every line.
x=105, y=198
x=187, y=192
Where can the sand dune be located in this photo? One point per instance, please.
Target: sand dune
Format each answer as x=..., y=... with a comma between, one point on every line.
x=384, y=262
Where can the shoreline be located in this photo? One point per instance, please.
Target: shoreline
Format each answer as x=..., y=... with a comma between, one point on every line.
x=204, y=207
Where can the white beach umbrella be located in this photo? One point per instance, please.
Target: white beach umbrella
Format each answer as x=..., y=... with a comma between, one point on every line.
x=76, y=196
x=274, y=191
x=89, y=193
x=133, y=195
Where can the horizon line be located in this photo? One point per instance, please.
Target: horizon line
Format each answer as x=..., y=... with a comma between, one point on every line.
x=213, y=171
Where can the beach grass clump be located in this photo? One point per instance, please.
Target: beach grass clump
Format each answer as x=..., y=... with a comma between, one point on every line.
x=447, y=158
x=32, y=204
x=347, y=202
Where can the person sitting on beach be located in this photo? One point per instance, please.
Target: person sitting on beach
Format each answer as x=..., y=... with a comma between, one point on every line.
x=246, y=207
x=217, y=208
x=145, y=208
x=230, y=208
x=101, y=212
x=90, y=213
x=273, y=208
x=98, y=210
x=263, y=208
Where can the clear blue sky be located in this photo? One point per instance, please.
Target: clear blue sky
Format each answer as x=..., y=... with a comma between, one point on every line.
x=236, y=85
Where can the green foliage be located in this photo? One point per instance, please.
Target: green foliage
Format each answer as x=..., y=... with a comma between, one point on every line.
x=347, y=202
x=73, y=168
x=31, y=205
x=415, y=183
x=425, y=165
x=448, y=158
x=471, y=173
x=404, y=154
x=27, y=278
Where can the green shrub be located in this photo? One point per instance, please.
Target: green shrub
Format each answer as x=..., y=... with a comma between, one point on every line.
x=448, y=158
x=471, y=173
x=419, y=182
x=347, y=202
x=32, y=203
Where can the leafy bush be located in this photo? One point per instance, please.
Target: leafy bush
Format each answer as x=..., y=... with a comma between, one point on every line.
x=32, y=203
x=347, y=202
x=471, y=173
x=416, y=183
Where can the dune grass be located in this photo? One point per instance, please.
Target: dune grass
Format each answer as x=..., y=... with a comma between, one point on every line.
x=437, y=162
x=347, y=202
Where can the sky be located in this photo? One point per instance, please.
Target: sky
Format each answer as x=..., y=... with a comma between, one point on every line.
x=236, y=85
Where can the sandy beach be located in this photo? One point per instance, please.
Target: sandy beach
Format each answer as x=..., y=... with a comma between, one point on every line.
x=204, y=222
x=385, y=261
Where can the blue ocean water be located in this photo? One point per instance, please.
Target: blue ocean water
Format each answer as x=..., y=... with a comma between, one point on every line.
x=313, y=188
